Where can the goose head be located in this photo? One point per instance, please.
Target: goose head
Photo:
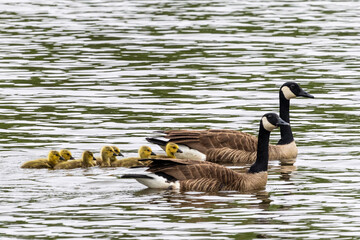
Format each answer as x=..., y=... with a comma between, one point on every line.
x=88, y=158
x=107, y=152
x=117, y=151
x=270, y=121
x=293, y=90
x=66, y=154
x=54, y=158
x=171, y=149
x=145, y=152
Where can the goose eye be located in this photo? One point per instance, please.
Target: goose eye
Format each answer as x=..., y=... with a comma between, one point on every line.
x=292, y=86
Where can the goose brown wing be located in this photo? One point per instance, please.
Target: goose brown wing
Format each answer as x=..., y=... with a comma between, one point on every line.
x=202, y=140
x=185, y=169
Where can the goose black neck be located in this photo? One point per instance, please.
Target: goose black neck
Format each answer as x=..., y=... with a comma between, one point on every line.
x=286, y=133
x=262, y=157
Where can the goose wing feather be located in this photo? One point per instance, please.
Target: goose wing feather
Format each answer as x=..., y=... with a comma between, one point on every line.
x=206, y=176
x=202, y=140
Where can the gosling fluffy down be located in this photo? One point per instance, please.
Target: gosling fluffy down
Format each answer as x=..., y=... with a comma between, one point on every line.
x=117, y=152
x=170, y=149
x=66, y=154
x=53, y=159
x=86, y=161
x=105, y=156
x=144, y=152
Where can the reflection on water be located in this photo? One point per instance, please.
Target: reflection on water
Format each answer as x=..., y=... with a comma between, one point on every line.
x=83, y=74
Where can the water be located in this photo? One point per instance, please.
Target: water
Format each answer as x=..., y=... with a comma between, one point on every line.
x=83, y=74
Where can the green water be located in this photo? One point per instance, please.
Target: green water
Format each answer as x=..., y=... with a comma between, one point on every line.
x=84, y=74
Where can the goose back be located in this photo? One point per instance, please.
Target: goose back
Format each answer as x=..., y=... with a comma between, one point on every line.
x=202, y=140
x=206, y=176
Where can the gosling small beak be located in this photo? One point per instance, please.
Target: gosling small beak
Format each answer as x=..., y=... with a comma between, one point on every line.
x=72, y=158
x=120, y=154
x=302, y=93
x=94, y=158
x=61, y=158
x=281, y=122
x=179, y=151
x=152, y=153
x=114, y=154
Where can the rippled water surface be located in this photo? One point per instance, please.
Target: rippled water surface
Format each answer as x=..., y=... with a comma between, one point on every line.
x=83, y=74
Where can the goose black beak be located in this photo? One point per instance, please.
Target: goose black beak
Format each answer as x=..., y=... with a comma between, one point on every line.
x=61, y=158
x=72, y=158
x=179, y=151
x=120, y=154
x=114, y=154
x=302, y=93
x=281, y=122
x=152, y=153
x=94, y=158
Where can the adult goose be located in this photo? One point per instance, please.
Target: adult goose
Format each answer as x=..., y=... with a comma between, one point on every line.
x=195, y=175
x=231, y=146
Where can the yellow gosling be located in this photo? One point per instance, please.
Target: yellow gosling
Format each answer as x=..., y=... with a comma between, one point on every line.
x=86, y=161
x=53, y=159
x=144, y=152
x=117, y=152
x=106, y=153
x=171, y=149
x=66, y=154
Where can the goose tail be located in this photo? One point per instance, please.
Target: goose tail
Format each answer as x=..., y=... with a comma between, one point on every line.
x=136, y=176
x=152, y=180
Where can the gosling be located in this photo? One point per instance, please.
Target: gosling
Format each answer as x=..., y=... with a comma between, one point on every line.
x=106, y=153
x=53, y=159
x=171, y=149
x=66, y=154
x=144, y=152
x=86, y=162
x=117, y=152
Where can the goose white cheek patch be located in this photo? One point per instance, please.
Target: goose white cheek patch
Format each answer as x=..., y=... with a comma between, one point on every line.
x=267, y=125
x=288, y=93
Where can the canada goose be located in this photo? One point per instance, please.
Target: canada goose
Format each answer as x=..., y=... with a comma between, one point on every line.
x=197, y=175
x=87, y=160
x=170, y=149
x=144, y=152
x=66, y=154
x=106, y=153
x=231, y=146
x=53, y=159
